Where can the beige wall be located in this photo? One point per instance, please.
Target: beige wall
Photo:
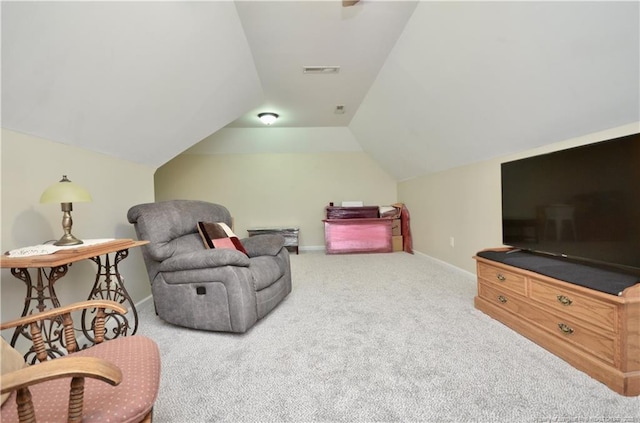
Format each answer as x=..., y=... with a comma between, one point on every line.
x=465, y=203
x=260, y=190
x=274, y=189
x=31, y=164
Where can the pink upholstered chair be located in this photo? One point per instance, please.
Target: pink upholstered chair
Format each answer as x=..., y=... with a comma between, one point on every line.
x=112, y=381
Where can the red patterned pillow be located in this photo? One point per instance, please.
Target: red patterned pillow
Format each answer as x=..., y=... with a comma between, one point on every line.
x=219, y=235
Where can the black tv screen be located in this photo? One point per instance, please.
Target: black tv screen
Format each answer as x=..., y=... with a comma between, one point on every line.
x=582, y=203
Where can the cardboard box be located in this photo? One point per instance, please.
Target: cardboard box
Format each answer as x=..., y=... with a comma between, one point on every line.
x=396, y=229
x=397, y=242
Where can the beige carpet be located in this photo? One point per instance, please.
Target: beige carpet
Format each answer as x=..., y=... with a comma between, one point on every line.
x=373, y=338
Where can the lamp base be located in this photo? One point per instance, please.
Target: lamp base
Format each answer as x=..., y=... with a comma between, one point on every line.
x=67, y=239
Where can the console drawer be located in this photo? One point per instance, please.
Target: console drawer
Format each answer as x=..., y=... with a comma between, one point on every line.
x=595, y=332
x=501, y=298
x=503, y=278
x=569, y=330
x=567, y=302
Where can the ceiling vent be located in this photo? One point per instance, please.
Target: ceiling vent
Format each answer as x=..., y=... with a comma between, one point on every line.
x=321, y=69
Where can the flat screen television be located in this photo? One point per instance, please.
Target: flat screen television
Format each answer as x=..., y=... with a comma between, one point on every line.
x=582, y=204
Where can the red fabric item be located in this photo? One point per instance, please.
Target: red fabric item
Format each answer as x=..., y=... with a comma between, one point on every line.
x=231, y=242
x=407, y=240
x=214, y=235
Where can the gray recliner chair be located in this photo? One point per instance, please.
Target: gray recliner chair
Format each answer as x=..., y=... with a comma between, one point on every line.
x=211, y=289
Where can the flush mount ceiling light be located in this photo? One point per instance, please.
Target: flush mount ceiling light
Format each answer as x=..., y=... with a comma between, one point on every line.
x=268, y=118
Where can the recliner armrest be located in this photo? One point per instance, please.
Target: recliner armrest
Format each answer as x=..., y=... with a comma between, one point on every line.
x=204, y=259
x=263, y=245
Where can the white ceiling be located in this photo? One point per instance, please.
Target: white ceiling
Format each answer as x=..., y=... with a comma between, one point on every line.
x=284, y=36
x=426, y=85
x=468, y=81
x=137, y=80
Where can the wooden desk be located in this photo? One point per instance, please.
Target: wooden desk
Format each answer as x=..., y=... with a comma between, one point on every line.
x=48, y=268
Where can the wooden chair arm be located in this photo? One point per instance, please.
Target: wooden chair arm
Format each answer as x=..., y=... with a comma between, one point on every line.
x=48, y=314
x=96, y=368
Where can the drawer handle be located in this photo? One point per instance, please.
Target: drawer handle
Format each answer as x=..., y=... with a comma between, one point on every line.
x=501, y=277
x=564, y=300
x=502, y=299
x=565, y=329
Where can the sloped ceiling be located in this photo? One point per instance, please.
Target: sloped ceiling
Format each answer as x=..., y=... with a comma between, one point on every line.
x=137, y=80
x=428, y=85
x=285, y=36
x=471, y=81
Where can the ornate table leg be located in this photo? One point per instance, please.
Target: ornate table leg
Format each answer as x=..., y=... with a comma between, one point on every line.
x=109, y=285
x=51, y=330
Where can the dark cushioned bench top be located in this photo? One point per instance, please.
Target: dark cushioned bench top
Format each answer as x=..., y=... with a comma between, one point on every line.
x=603, y=280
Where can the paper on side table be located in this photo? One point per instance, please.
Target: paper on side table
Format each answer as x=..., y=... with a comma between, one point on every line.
x=44, y=249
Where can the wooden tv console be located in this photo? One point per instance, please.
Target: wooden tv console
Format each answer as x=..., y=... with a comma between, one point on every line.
x=596, y=332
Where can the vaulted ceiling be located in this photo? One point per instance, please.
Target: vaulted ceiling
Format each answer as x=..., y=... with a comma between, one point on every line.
x=425, y=85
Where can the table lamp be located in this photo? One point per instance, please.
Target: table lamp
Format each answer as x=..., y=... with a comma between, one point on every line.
x=66, y=192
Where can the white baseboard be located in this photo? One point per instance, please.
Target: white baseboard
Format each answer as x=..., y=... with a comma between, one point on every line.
x=466, y=273
x=144, y=300
x=312, y=248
